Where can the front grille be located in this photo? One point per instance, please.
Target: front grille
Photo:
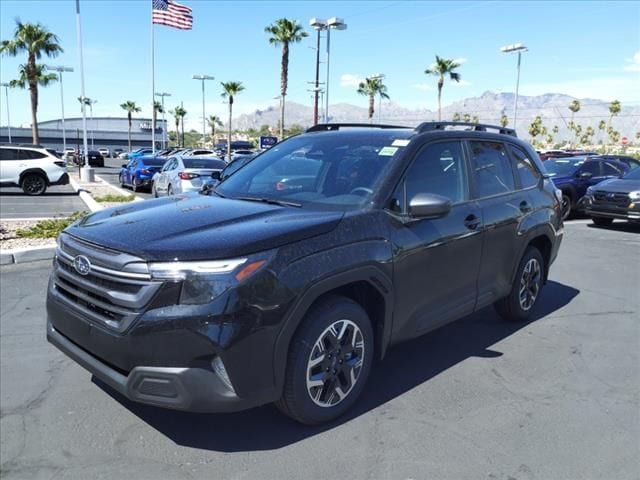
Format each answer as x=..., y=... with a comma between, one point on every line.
x=614, y=198
x=114, y=293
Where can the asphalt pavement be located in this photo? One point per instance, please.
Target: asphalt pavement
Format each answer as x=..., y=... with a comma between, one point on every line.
x=57, y=201
x=554, y=398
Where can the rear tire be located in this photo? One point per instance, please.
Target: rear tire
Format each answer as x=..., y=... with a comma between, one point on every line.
x=566, y=206
x=601, y=221
x=169, y=190
x=34, y=184
x=525, y=292
x=329, y=362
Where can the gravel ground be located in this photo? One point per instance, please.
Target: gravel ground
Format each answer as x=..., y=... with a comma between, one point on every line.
x=9, y=240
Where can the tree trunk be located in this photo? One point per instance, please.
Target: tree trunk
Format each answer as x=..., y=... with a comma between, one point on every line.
x=129, y=115
x=440, y=84
x=177, y=131
x=182, y=128
x=33, y=91
x=284, y=75
x=371, y=105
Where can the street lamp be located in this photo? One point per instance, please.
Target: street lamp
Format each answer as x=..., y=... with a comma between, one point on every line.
x=519, y=48
x=204, y=118
x=337, y=24
x=378, y=76
x=319, y=25
x=60, y=69
x=164, y=126
x=6, y=92
x=90, y=102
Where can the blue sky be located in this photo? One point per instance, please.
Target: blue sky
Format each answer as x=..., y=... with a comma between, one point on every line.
x=587, y=49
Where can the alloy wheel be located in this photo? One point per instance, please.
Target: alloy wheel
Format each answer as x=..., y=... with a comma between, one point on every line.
x=33, y=185
x=335, y=363
x=530, y=284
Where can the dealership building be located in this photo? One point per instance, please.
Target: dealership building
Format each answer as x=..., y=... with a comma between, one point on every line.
x=102, y=132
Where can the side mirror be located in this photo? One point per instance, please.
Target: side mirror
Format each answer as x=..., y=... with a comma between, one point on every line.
x=429, y=205
x=585, y=175
x=215, y=175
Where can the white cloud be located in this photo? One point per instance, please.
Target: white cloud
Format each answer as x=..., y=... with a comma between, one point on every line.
x=424, y=87
x=460, y=61
x=461, y=83
x=633, y=63
x=350, y=80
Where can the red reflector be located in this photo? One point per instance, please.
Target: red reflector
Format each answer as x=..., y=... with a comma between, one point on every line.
x=249, y=270
x=281, y=186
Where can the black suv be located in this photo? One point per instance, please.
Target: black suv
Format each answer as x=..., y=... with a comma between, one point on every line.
x=287, y=280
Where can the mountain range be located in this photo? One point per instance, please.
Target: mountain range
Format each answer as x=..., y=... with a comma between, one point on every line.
x=489, y=107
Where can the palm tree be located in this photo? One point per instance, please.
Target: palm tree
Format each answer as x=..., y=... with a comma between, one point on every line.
x=475, y=119
x=181, y=114
x=456, y=117
x=34, y=39
x=466, y=117
x=370, y=88
x=614, y=110
x=283, y=32
x=130, y=107
x=442, y=67
x=214, y=122
x=176, y=114
x=157, y=108
x=230, y=90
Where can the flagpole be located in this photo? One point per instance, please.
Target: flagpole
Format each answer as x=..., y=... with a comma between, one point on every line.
x=153, y=89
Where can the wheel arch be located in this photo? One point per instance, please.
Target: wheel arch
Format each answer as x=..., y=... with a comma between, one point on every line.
x=367, y=286
x=37, y=171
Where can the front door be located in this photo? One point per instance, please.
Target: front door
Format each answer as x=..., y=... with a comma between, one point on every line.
x=436, y=261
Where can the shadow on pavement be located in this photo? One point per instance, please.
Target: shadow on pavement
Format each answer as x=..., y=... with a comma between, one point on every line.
x=629, y=227
x=405, y=367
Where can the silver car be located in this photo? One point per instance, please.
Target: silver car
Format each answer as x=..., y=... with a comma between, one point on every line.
x=184, y=174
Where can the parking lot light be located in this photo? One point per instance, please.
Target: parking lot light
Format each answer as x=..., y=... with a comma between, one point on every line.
x=202, y=78
x=164, y=126
x=515, y=48
x=60, y=69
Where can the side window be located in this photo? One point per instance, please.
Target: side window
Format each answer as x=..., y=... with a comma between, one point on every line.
x=526, y=171
x=491, y=168
x=32, y=155
x=8, y=154
x=609, y=170
x=438, y=168
x=591, y=167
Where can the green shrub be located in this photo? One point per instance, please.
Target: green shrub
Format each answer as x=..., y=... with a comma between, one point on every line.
x=49, y=228
x=114, y=198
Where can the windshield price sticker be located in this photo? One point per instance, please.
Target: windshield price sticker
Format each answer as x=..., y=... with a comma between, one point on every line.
x=400, y=142
x=388, y=151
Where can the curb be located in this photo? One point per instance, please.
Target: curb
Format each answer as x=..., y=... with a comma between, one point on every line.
x=120, y=190
x=85, y=197
x=23, y=255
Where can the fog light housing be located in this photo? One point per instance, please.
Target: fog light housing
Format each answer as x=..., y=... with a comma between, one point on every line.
x=221, y=371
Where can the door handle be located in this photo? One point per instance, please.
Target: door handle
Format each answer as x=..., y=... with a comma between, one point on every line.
x=471, y=222
x=525, y=207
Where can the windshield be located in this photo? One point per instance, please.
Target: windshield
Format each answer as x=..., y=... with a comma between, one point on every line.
x=633, y=174
x=563, y=166
x=338, y=170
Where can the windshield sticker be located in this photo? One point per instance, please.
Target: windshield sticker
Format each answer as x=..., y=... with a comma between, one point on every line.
x=388, y=151
x=400, y=142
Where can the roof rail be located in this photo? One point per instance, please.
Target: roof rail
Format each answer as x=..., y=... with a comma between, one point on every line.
x=14, y=144
x=478, y=127
x=326, y=127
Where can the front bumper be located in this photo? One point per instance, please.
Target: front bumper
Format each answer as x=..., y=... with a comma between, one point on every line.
x=630, y=212
x=191, y=388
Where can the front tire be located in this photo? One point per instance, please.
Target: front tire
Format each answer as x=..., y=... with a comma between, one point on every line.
x=34, y=184
x=566, y=206
x=525, y=292
x=329, y=362
x=601, y=221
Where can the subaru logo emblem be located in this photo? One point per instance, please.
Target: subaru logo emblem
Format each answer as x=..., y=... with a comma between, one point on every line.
x=82, y=265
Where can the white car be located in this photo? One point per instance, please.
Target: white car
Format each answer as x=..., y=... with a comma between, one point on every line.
x=105, y=152
x=185, y=174
x=31, y=168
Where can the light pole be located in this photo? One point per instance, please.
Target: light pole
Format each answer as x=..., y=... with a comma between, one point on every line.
x=6, y=92
x=337, y=24
x=164, y=126
x=60, y=69
x=519, y=48
x=204, y=118
x=319, y=25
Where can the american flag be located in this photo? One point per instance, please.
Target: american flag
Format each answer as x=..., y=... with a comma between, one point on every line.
x=172, y=14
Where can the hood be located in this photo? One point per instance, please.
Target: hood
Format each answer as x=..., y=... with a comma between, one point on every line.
x=199, y=227
x=620, y=185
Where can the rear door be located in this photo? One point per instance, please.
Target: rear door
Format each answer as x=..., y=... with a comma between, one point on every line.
x=504, y=206
x=436, y=261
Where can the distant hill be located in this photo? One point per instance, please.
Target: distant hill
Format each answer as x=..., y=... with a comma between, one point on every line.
x=489, y=107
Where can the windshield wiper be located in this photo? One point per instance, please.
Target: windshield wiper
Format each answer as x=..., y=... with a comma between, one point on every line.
x=270, y=201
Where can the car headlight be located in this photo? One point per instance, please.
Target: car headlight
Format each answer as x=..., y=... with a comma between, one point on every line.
x=590, y=191
x=634, y=195
x=204, y=281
